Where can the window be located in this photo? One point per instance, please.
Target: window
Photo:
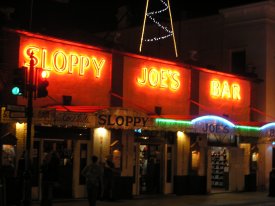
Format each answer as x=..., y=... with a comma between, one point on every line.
x=238, y=62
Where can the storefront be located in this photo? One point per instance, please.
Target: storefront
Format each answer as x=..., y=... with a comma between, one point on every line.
x=169, y=128
x=214, y=155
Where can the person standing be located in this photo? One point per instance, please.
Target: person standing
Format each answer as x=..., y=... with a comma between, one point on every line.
x=50, y=176
x=109, y=178
x=94, y=180
x=151, y=176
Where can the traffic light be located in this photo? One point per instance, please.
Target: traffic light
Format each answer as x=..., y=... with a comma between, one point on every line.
x=19, y=82
x=42, y=83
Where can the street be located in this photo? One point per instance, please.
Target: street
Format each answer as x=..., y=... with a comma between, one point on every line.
x=218, y=199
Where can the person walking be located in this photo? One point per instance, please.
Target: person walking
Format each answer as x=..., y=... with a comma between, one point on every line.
x=94, y=180
x=50, y=176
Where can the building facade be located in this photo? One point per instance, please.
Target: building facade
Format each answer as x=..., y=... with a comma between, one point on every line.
x=239, y=40
x=170, y=127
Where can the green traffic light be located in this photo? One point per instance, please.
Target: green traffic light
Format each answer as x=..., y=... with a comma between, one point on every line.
x=15, y=91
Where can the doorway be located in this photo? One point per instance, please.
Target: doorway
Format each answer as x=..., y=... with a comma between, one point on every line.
x=64, y=149
x=149, y=166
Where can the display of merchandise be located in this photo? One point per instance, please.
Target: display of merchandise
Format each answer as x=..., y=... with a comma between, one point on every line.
x=219, y=160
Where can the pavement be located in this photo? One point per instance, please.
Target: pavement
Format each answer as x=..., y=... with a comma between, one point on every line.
x=215, y=199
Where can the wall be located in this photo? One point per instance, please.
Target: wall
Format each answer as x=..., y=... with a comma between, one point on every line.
x=236, y=169
x=249, y=27
x=170, y=89
x=265, y=165
x=71, y=67
x=245, y=29
x=182, y=154
x=270, y=70
x=228, y=96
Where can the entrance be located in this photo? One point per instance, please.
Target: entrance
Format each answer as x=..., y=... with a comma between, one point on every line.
x=64, y=150
x=219, y=169
x=64, y=142
x=150, y=169
x=153, y=157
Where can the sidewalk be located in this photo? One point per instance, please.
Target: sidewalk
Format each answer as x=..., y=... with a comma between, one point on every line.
x=218, y=199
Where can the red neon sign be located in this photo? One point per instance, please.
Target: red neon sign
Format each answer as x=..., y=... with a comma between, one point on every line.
x=63, y=61
x=159, y=78
x=224, y=90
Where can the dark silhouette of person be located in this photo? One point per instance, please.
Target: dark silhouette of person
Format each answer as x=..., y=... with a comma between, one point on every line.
x=151, y=179
x=94, y=180
x=20, y=175
x=21, y=166
x=109, y=179
x=8, y=172
x=50, y=176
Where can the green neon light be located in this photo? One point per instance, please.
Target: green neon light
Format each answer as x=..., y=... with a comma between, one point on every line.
x=248, y=128
x=172, y=122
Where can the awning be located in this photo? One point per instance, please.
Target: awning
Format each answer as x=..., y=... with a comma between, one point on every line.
x=8, y=138
x=93, y=117
x=86, y=109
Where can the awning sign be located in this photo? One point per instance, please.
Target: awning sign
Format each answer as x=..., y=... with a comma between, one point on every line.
x=213, y=125
x=74, y=119
x=268, y=130
x=122, y=118
x=112, y=120
x=220, y=132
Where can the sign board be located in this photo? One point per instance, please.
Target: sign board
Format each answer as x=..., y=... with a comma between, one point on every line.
x=76, y=119
x=213, y=124
x=16, y=108
x=268, y=130
x=13, y=114
x=219, y=131
x=119, y=118
x=122, y=118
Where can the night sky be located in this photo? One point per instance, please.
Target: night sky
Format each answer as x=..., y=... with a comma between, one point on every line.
x=100, y=15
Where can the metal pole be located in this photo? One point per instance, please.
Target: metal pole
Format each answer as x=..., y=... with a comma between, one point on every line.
x=27, y=173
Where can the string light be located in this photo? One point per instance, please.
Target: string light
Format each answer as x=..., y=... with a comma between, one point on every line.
x=157, y=38
x=159, y=25
x=160, y=11
x=151, y=15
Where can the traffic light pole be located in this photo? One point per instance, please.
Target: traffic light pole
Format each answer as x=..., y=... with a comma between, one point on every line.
x=27, y=188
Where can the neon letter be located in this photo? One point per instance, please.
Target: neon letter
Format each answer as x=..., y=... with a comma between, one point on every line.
x=236, y=91
x=226, y=90
x=73, y=61
x=98, y=66
x=143, y=78
x=43, y=60
x=215, y=88
x=84, y=63
x=28, y=52
x=153, y=77
x=58, y=57
x=175, y=83
x=163, y=78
